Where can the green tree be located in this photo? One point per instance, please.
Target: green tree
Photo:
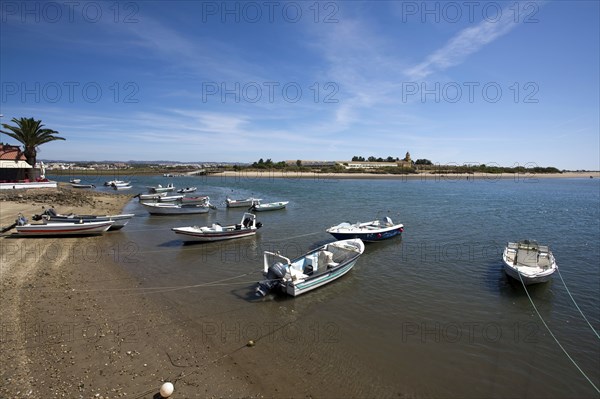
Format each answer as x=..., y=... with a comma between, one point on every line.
x=298, y=163
x=423, y=162
x=31, y=134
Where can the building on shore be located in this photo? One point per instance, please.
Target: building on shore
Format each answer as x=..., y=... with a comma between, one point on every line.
x=16, y=173
x=403, y=163
x=13, y=164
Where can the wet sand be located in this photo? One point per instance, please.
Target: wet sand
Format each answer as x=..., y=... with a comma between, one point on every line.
x=75, y=324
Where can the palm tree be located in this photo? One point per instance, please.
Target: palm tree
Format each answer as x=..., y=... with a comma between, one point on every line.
x=31, y=134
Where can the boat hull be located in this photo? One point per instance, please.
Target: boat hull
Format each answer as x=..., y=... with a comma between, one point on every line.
x=162, y=190
x=242, y=203
x=164, y=209
x=309, y=285
x=63, y=229
x=527, y=280
x=269, y=207
x=367, y=232
x=74, y=185
x=120, y=221
x=154, y=196
x=213, y=236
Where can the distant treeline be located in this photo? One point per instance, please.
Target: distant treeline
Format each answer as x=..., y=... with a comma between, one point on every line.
x=494, y=169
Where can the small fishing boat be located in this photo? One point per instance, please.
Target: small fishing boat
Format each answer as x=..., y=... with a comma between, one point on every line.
x=160, y=208
x=241, y=203
x=533, y=262
x=187, y=190
x=75, y=185
x=161, y=189
x=154, y=196
x=113, y=182
x=76, y=181
x=311, y=270
x=170, y=198
x=368, y=231
x=191, y=200
x=247, y=227
x=61, y=229
x=120, y=183
x=125, y=187
x=273, y=206
x=51, y=216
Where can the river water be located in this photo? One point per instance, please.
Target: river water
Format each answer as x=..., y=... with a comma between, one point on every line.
x=430, y=314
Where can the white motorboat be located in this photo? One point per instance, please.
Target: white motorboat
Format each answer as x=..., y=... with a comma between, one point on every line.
x=120, y=183
x=241, y=203
x=191, y=200
x=272, y=206
x=187, y=190
x=61, y=229
x=154, y=196
x=311, y=270
x=533, y=262
x=160, y=208
x=127, y=187
x=75, y=185
x=51, y=216
x=367, y=231
x=161, y=189
x=76, y=181
x=113, y=182
x=247, y=227
x=170, y=198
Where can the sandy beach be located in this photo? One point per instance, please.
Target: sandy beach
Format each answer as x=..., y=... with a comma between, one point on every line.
x=75, y=324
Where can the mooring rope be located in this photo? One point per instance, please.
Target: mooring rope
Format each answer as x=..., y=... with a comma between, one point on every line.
x=575, y=303
x=553, y=336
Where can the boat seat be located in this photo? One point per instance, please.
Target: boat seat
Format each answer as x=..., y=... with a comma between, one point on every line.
x=217, y=227
x=297, y=274
x=326, y=258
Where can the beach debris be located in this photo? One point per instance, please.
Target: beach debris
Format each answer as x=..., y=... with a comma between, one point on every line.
x=251, y=343
x=166, y=390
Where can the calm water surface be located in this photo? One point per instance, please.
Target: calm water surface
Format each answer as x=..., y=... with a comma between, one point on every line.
x=429, y=315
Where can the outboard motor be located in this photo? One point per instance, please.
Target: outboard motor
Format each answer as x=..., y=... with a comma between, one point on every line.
x=258, y=225
x=274, y=274
x=21, y=220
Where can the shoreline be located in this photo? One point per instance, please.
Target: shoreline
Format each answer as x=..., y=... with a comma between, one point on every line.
x=277, y=174
x=75, y=323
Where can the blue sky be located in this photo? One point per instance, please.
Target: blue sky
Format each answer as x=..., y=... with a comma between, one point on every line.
x=454, y=82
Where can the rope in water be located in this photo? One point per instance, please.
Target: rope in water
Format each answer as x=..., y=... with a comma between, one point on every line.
x=553, y=336
x=171, y=288
x=577, y=306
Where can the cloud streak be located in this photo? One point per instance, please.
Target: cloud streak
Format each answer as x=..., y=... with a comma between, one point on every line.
x=466, y=42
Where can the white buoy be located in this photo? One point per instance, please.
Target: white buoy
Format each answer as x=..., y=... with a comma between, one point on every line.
x=166, y=390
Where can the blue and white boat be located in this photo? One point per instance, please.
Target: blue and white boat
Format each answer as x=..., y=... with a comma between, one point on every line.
x=312, y=270
x=368, y=231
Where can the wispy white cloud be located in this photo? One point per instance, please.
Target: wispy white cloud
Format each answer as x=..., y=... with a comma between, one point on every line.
x=466, y=42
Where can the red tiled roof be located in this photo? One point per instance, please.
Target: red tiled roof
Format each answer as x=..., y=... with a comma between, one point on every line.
x=11, y=153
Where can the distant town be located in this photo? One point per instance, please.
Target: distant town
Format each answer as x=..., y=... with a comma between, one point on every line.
x=358, y=164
